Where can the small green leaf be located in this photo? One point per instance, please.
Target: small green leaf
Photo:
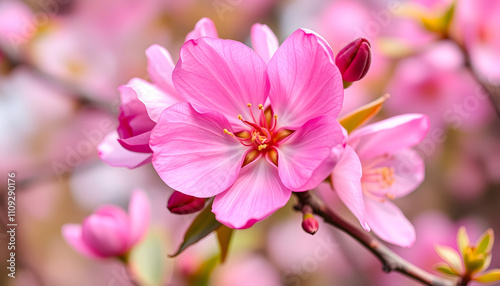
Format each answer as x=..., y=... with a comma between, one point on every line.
x=148, y=262
x=224, y=235
x=489, y=276
x=450, y=256
x=202, y=226
x=462, y=239
x=445, y=269
x=361, y=115
x=485, y=242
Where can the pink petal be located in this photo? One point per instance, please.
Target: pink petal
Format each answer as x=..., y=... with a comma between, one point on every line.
x=389, y=136
x=389, y=223
x=138, y=212
x=160, y=68
x=346, y=180
x=72, y=233
x=221, y=75
x=409, y=172
x=192, y=154
x=264, y=41
x=155, y=99
x=111, y=152
x=256, y=194
x=305, y=83
x=305, y=159
x=205, y=27
x=139, y=143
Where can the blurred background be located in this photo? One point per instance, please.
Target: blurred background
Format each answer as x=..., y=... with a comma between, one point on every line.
x=61, y=62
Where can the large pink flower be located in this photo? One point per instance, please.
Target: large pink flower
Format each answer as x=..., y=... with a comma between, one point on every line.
x=378, y=166
x=226, y=143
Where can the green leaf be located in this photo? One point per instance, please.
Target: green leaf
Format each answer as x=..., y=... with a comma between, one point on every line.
x=361, y=115
x=148, y=262
x=450, y=256
x=445, y=269
x=489, y=276
x=202, y=226
x=485, y=242
x=224, y=235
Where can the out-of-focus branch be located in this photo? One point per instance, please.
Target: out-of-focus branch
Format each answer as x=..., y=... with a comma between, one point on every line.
x=80, y=95
x=492, y=90
x=390, y=260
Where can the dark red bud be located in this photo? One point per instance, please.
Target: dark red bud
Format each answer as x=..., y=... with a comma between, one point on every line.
x=354, y=60
x=310, y=224
x=179, y=203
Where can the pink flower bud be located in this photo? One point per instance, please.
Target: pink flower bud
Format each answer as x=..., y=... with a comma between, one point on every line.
x=179, y=203
x=310, y=224
x=110, y=231
x=354, y=60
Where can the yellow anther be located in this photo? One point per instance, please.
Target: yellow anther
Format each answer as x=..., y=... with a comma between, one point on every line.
x=261, y=106
x=390, y=196
x=262, y=147
x=240, y=117
x=249, y=104
x=229, y=133
x=275, y=116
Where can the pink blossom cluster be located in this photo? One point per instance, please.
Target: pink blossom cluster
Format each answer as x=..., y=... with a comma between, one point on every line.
x=248, y=127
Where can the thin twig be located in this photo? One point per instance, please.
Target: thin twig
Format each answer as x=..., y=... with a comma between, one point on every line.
x=390, y=260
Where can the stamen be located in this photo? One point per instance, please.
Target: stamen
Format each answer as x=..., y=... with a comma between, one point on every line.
x=242, y=140
x=275, y=122
x=229, y=133
x=262, y=147
x=263, y=116
x=383, y=177
x=251, y=113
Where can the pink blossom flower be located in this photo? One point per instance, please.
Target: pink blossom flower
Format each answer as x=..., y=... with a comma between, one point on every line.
x=110, y=231
x=378, y=166
x=251, y=159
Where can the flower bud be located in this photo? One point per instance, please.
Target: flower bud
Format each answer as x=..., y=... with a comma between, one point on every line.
x=110, y=231
x=180, y=203
x=310, y=224
x=354, y=60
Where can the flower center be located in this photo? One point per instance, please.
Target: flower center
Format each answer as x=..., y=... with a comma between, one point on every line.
x=378, y=179
x=262, y=135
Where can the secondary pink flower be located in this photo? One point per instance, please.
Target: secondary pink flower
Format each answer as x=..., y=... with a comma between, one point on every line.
x=110, y=231
x=378, y=166
x=226, y=143
x=142, y=103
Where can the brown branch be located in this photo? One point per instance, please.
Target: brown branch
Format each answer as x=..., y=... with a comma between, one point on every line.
x=77, y=93
x=390, y=260
x=492, y=90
